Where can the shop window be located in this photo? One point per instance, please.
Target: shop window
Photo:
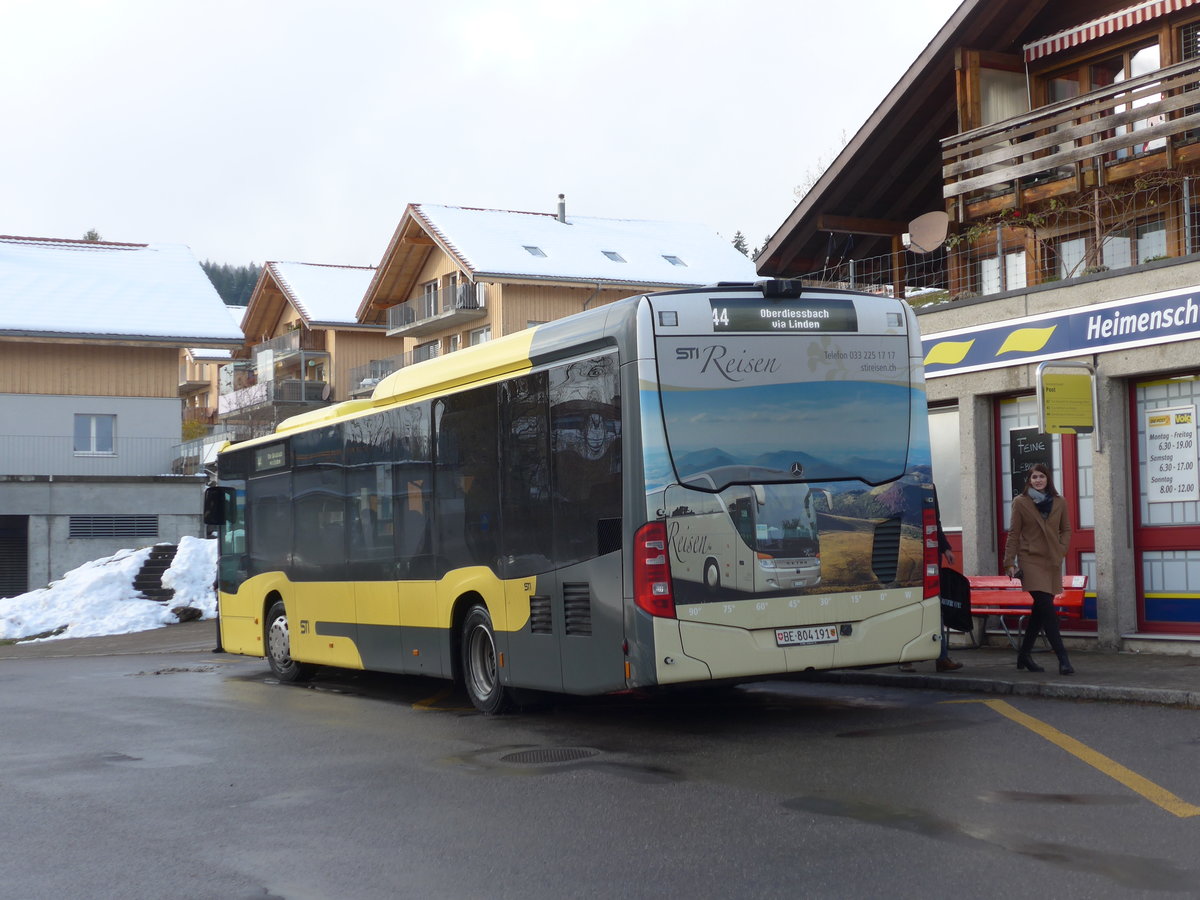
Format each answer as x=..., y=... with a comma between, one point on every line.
x=1168, y=503
x=943, y=434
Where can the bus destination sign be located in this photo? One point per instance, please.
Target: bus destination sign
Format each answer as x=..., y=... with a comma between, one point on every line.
x=783, y=315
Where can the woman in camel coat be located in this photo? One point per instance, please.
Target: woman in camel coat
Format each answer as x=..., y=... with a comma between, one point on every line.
x=1038, y=539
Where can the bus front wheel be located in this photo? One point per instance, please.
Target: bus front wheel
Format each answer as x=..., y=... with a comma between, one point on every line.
x=279, y=647
x=481, y=674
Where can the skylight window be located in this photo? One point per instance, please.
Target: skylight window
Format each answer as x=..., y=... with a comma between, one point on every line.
x=674, y=260
x=534, y=251
x=613, y=255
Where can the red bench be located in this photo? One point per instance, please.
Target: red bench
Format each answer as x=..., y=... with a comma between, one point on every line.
x=1004, y=598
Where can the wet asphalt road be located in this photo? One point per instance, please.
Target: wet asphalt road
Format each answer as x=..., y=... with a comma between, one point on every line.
x=193, y=775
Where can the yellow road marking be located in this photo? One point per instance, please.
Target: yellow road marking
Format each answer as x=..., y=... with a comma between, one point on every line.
x=430, y=702
x=1132, y=780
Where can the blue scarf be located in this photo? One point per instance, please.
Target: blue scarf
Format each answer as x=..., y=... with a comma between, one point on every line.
x=1043, y=502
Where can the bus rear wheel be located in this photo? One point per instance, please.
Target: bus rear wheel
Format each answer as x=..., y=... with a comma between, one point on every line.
x=481, y=673
x=712, y=576
x=279, y=647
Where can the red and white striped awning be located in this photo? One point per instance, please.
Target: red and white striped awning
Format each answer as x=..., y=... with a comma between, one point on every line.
x=1113, y=22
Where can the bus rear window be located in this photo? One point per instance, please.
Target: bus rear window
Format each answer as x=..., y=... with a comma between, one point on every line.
x=772, y=408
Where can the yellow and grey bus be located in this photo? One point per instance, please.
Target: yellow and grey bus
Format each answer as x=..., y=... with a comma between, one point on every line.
x=523, y=514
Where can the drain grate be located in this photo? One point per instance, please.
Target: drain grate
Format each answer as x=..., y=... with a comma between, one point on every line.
x=548, y=755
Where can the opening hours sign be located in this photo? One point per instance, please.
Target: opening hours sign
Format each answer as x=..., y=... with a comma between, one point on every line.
x=1171, y=455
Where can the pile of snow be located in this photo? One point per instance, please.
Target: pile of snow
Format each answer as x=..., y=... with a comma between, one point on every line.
x=98, y=598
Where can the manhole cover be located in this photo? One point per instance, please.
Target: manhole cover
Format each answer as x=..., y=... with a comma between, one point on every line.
x=548, y=755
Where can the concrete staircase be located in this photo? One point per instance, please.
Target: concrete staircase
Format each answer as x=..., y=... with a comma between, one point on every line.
x=149, y=578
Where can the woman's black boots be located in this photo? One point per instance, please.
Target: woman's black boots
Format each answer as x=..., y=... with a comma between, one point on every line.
x=1025, y=661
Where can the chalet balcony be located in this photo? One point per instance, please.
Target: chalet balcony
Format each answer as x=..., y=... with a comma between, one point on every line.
x=263, y=394
x=434, y=312
x=1105, y=182
x=1146, y=124
x=293, y=342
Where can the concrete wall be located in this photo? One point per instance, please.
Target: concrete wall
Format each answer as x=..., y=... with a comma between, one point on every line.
x=50, y=502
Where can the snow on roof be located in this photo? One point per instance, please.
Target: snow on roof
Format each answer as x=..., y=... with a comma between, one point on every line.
x=538, y=245
x=323, y=293
x=235, y=313
x=97, y=288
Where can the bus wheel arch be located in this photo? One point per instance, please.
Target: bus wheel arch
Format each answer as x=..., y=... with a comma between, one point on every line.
x=478, y=658
x=277, y=644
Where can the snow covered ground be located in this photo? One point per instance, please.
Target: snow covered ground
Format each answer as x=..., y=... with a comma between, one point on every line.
x=98, y=598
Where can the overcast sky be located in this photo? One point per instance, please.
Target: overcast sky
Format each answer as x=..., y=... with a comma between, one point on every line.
x=257, y=130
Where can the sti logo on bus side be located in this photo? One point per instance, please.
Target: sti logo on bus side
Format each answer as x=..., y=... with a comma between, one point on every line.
x=731, y=367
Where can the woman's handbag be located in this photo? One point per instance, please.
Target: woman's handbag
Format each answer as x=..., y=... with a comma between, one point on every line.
x=956, y=600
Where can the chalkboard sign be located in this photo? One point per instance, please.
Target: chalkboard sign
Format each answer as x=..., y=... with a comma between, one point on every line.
x=1027, y=446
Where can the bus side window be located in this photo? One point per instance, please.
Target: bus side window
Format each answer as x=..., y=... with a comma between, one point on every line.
x=742, y=511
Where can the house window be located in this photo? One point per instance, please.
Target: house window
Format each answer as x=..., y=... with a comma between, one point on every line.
x=428, y=350
x=674, y=260
x=481, y=335
x=992, y=280
x=534, y=251
x=94, y=434
x=1078, y=255
x=450, y=286
x=613, y=255
x=453, y=342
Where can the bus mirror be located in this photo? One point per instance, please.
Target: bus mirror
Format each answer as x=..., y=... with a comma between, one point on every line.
x=219, y=506
x=760, y=495
x=828, y=495
x=214, y=506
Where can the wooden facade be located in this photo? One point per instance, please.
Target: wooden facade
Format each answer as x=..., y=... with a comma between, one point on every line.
x=91, y=370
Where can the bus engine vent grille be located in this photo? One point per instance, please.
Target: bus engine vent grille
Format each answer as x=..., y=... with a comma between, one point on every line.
x=540, y=621
x=577, y=604
x=885, y=550
x=608, y=536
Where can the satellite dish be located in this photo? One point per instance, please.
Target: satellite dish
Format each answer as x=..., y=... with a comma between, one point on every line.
x=326, y=391
x=927, y=232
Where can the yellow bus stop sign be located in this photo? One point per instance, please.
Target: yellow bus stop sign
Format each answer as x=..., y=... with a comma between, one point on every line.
x=1067, y=403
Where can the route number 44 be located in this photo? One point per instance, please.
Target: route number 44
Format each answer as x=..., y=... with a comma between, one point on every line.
x=720, y=317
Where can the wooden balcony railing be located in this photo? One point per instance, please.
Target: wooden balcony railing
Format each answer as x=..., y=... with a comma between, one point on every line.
x=1099, y=136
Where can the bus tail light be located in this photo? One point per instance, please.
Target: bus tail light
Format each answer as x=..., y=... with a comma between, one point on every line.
x=652, y=589
x=933, y=582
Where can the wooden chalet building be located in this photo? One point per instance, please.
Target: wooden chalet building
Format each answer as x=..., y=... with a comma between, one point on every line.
x=454, y=276
x=1057, y=143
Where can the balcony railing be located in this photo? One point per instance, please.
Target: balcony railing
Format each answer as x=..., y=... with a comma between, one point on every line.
x=1139, y=221
x=266, y=393
x=1088, y=141
x=292, y=342
x=191, y=457
x=363, y=379
x=23, y=454
x=423, y=315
